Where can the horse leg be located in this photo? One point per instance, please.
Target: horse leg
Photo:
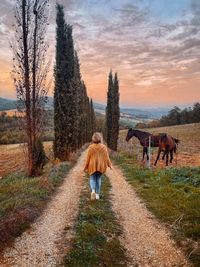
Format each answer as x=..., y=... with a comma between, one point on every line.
x=167, y=155
x=158, y=156
x=171, y=156
x=146, y=151
x=167, y=158
x=163, y=157
x=143, y=154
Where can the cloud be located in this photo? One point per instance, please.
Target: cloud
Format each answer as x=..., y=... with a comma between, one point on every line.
x=154, y=56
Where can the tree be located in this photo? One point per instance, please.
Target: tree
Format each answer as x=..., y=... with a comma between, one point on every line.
x=112, y=112
x=196, y=112
x=109, y=117
x=65, y=93
x=116, y=114
x=71, y=103
x=92, y=118
x=29, y=73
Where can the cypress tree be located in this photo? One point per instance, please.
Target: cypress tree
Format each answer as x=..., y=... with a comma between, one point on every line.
x=112, y=112
x=59, y=143
x=85, y=114
x=65, y=98
x=92, y=118
x=80, y=103
x=71, y=104
x=116, y=114
x=108, y=126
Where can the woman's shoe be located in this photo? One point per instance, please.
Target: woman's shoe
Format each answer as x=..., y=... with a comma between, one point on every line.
x=97, y=196
x=93, y=195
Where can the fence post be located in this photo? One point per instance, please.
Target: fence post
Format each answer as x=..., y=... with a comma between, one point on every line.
x=149, y=152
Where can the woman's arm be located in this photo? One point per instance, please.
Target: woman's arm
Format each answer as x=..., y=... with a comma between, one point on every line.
x=87, y=159
x=108, y=159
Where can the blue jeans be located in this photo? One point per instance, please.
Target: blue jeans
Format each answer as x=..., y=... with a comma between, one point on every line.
x=95, y=182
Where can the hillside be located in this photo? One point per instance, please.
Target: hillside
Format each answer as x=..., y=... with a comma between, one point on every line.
x=7, y=104
x=137, y=115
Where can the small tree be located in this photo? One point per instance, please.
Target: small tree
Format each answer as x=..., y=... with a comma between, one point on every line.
x=30, y=71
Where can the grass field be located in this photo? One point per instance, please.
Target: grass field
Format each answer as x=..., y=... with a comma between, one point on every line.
x=173, y=195
x=188, y=149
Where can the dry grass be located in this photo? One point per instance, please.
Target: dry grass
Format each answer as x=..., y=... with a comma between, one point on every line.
x=23, y=198
x=12, y=157
x=12, y=112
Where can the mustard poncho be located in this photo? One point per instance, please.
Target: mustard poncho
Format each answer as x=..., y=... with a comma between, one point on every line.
x=97, y=159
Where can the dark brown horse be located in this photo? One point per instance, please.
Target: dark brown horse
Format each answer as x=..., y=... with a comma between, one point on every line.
x=143, y=137
x=168, y=144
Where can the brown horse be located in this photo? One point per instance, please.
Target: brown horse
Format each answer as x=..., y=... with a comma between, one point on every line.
x=143, y=137
x=167, y=144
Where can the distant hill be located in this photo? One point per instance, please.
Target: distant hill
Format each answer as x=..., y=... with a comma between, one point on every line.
x=7, y=104
x=146, y=113
x=131, y=113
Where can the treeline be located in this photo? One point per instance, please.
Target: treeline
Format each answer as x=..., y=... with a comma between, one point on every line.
x=11, y=130
x=74, y=117
x=176, y=116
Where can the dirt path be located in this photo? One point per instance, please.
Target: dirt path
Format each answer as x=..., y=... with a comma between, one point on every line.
x=147, y=241
x=42, y=245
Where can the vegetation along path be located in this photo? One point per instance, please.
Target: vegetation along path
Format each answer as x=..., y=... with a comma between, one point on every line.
x=147, y=241
x=43, y=244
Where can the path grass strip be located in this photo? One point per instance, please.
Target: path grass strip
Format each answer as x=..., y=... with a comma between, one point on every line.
x=97, y=230
x=22, y=199
x=173, y=195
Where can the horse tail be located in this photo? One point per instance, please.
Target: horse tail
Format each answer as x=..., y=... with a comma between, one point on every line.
x=175, y=148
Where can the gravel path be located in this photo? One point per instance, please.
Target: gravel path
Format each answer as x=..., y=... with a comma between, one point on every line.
x=148, y=242
x=48, y=239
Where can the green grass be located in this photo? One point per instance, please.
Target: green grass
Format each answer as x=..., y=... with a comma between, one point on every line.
x=96, y=240
x=22, y=199
x=173, y=195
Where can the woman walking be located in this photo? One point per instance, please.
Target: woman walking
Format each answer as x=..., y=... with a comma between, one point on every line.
x=96, y=164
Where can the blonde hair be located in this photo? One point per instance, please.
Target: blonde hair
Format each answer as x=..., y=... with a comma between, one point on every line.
x=96, y=138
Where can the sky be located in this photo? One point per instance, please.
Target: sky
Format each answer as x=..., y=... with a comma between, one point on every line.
x=153, y=45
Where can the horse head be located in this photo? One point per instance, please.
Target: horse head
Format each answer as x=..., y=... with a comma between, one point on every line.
x=130, y=134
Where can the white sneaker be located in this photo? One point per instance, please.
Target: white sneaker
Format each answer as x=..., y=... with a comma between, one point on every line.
x=97, y=196
x=93, y=195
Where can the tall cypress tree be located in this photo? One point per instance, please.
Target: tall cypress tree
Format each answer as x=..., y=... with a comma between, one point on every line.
x=92, y=118
x=108, y=125
x=112, y=112
x=59, y=73
x=115, y=114
x=71, y=103
x=65, y=102
x=80, y=103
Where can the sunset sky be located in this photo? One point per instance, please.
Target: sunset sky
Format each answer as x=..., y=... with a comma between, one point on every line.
x=154, y=45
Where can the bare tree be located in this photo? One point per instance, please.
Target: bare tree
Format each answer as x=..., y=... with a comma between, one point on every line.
x=30, y=73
